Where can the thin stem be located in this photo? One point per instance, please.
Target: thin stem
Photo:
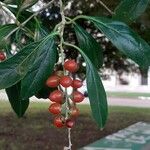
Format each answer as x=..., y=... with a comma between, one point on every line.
x=13, y=31
x=39, y=11
x=84, y=17
x=62, y=27
x=26, y=21
x=74, y=19
x=104, y=5
x=57, y=26
x=66, y=104
x=73, y=46
x=69, y=139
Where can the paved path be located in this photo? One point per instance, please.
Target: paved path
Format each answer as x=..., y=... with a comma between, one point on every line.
x=128, y=102
x=126, y=88
x=111, y=101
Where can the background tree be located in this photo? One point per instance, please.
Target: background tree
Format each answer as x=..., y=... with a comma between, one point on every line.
x=34, y=42
x=114, y=60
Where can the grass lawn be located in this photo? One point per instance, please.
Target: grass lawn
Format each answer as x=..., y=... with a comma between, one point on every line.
x=36, y=132
x=127, y=95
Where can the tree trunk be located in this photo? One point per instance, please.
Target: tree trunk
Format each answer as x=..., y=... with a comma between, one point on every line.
x=144, y=76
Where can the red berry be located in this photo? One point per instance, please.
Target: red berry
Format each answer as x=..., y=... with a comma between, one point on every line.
x=55, y=108
x=65, y=81
x=53, y=81
x=74, y=112
x=76, y=84
x=77, y=97
x=56, y=96
x=71, y=66
x=2, y=56
x=70, y=123
x=59, y=121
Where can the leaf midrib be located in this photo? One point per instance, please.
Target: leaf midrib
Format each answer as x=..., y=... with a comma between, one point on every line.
x=43, y=41
x=37, y=72
x=90, y=70
x=120, y=33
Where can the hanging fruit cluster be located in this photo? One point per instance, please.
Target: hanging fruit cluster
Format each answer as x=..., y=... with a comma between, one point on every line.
x=60, y=96
x=2, y=56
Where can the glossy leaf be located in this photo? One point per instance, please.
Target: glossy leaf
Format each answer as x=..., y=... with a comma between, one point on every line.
x=96, y=92
x=40, y=32
x=90, y=46
x=12, y=2
x=5, y=30
x=125, y=39
x=40, y=70
x=15, y=68
x=129, y=10
x=19, y=106
x=23, y=15
x=44, y=92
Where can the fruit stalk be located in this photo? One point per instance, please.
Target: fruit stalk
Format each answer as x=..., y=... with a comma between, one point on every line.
x=62, y=27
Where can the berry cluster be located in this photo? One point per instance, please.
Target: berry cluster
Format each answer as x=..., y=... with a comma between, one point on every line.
x=61, y=96
x=2, y=56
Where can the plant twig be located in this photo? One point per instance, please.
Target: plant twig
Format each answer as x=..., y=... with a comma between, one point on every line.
x=26, y=21
x=104, y=5
x=39, y=11
x=74, y=19
x=62, y=27
x=73, y=46
x=69, y=138
x=6, y=37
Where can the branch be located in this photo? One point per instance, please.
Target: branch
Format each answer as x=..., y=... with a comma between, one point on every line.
x=26, y=21
x=36, y=13
x=104, y=5
x=61, y=34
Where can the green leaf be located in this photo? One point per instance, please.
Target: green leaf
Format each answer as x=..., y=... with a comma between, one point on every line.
x=44, y=92
x=96, y=92
x=23, y=16
x=42, y=67
x=15, y=68
x=40, y=32
x=89, y=45
x=125, y=39
x=19, y=106
x=129, y=10
x=5, y=30
x=12, y=2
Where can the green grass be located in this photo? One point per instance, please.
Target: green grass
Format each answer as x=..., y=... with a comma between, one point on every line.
x=35, y=131
x=35, y=107
x=127, y=95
